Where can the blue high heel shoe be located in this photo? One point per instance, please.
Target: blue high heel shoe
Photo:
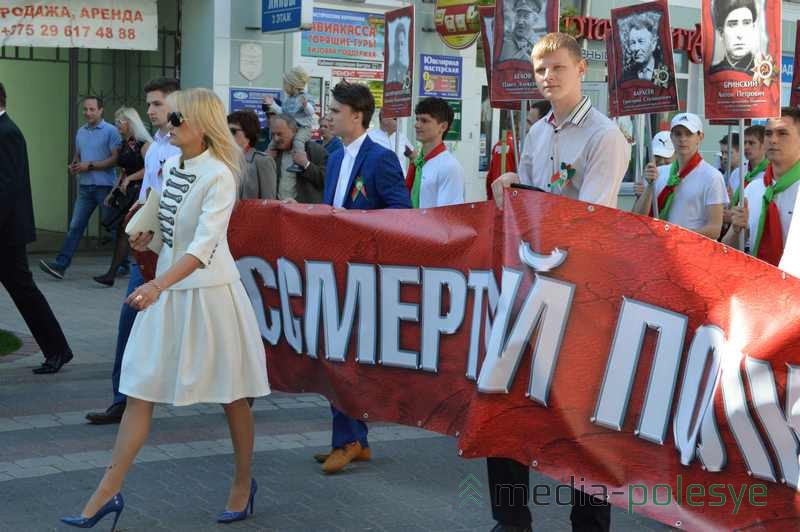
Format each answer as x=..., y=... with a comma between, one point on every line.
x=115, y=504
x=229, y=517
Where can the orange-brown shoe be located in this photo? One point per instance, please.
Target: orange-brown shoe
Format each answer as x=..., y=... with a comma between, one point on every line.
x=364, y=456
x=341, y=457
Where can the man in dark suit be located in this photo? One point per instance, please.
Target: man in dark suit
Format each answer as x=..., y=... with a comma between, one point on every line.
x=362, y=175
x=17, y=228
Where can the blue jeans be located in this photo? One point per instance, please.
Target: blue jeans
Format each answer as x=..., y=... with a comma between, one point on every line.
x=126, y=319
x=347, y=430
x=89, y=198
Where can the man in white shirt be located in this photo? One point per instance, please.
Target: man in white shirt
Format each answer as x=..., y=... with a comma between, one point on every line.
x=386, y=136
x=574, y=151
x=777, y=245
x=691, y=193
x=156, y=92
x=435, y=177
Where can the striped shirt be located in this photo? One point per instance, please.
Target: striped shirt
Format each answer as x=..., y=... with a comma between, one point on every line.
x=584, y=158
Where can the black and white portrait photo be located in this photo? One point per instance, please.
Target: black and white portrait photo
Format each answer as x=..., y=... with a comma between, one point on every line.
x=399, y=56
x=525, y=22
x=642, y=56
x=740, y=34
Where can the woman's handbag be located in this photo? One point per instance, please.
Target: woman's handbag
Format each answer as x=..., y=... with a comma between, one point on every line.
x=146, y=220
x=119, y=203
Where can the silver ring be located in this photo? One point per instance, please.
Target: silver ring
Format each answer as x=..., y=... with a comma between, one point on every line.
x=137, y=298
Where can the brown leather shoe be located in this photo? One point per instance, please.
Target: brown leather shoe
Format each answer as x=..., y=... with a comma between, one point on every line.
x=364, y=456
x=341, y=457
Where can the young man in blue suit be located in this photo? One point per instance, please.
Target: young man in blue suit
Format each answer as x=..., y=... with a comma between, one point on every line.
x=363, y=175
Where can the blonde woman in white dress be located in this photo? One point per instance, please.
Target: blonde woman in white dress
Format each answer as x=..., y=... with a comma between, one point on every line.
x=195, y=338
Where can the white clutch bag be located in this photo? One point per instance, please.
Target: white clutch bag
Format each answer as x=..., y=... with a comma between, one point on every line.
x=146, y=219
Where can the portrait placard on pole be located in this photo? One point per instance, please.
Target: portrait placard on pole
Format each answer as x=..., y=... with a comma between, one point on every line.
x=794, y=97
x=741, y=55
x=518, y=25
x=398, y=63
x=486, y=14
x=642, y=67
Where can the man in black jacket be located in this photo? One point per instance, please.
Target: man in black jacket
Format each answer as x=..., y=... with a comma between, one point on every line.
x=17, y=230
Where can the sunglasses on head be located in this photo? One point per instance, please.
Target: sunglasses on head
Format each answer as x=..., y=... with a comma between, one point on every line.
x=175, y=118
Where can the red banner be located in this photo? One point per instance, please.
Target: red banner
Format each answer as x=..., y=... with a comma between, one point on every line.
x=518, y=25
x=742, y=59
x=794, y=98
x=587, y=342
x=643, y=69
x=398, y=66
x=486, y=14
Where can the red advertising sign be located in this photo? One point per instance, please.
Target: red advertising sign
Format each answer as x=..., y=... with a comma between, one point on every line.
x=643, y=69
x=794, y=98
x=349, y=73
x=741, y=58
x=399, y=62
x=518, y=25
x=657, y=366
x=486, y=14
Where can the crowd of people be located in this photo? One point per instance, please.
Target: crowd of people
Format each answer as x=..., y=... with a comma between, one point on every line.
x=189, y=335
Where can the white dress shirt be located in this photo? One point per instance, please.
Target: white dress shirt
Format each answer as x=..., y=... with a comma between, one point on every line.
x=388, y=141
x=159, y=151
x=349, y=159
x=592, y=149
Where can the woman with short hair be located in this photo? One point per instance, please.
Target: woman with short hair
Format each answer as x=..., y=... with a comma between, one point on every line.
x=259, y=179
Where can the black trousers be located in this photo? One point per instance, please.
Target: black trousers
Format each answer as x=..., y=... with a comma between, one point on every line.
x=509, y=489
x=16, y=277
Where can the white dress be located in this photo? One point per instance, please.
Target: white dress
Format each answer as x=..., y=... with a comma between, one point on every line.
x=200, y=341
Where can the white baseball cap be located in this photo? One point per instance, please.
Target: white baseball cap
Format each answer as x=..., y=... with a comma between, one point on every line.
x=690, y=121
x=662, y=144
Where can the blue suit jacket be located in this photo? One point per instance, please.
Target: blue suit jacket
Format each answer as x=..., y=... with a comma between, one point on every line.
x=379, y=170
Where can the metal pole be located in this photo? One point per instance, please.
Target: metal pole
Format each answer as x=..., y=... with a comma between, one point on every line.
x=648, y=134
x=523, y=111
x=729, y=144
x=742, y=234
x=397, y=141
x=503, y=151
x=514, y=138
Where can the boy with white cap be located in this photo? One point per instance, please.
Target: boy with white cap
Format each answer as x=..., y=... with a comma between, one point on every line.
x=663, y=150
x=691, y=193
x=298, y=105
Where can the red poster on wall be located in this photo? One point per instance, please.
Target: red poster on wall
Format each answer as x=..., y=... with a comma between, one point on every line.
x=518, y=25
x=643, y=69
x=794, y=98
x=398, y=63
x=486, y=14
x=741, y=58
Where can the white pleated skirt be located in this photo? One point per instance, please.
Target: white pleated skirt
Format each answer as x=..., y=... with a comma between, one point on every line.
x=200, y=345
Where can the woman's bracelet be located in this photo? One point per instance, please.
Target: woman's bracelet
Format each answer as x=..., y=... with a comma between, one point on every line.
x=157, y=286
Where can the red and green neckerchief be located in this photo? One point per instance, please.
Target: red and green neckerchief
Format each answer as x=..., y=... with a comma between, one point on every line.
x=762, y=166
x=667, y=195
x=414, y=175
x=768, y=243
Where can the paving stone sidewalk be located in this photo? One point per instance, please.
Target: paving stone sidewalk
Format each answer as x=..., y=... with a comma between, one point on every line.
x=50, y=459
